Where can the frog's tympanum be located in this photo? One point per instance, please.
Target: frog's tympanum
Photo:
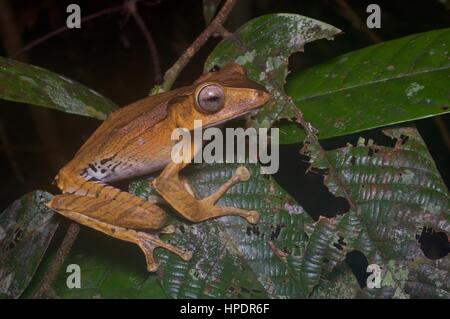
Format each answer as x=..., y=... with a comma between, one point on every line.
x=136, y=140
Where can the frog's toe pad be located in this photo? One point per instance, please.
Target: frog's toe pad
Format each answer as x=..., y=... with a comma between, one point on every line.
x=149, y=242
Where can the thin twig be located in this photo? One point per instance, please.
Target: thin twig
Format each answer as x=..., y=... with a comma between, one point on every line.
x=57, y=262
x=131, y=6
x=64, y=28
x=213, y=27
x=222, y=32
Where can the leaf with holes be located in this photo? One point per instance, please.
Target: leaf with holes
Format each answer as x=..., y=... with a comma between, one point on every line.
x=232, y=259
x=392, y=82
x=263, y=46
x=30, y=84
x=26, y=228
x=393, y=194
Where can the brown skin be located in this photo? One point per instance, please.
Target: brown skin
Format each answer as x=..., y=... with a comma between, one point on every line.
x=135, y=140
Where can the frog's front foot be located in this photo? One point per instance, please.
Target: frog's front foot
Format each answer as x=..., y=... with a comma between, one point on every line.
x=181, y=197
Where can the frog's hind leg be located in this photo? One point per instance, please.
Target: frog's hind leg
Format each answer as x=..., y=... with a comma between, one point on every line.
x=119, y=216
x=180, y=195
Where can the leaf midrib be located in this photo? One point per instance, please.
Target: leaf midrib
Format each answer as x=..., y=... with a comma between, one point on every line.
x=369, y=83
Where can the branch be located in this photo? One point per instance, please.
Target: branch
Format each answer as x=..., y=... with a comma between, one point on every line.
x=62, y=29
x=131, y=6
x=57, y=262
x=214, y=27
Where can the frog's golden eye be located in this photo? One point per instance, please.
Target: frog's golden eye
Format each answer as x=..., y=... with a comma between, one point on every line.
x=210, y=98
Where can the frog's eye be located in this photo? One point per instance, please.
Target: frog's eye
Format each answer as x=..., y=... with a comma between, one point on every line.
x=210, y=98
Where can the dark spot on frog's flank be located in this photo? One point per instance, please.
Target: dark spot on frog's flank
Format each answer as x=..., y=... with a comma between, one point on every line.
x=113, y=168
x=106, y=160
x=103, y=170
x=93, y=168
x=353, y=160
x=181, y=227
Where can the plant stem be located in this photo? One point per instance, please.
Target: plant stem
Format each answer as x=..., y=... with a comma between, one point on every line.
x=58, y=260
x=150, y=43
x=215, y=26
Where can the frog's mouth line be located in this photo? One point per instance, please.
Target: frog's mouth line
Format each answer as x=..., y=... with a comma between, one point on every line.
x=232, y=118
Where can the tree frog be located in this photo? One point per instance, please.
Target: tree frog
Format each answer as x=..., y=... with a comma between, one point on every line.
x=136, y=140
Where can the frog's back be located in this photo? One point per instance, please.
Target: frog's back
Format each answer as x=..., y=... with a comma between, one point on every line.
x=108, y=153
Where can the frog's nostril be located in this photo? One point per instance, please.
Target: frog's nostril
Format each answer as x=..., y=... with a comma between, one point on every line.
x=261, y=93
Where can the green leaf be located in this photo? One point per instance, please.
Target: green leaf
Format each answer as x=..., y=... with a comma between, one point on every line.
x=340, y=283
x=232, y=259
x=392, y=82
x=393, y=194
x=30, y=84
x=263, y=46
x=109, y=269
x=26, y=228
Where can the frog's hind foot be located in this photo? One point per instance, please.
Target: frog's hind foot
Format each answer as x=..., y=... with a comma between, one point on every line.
x=72, y=207
x=148, y=242
x=179, y=194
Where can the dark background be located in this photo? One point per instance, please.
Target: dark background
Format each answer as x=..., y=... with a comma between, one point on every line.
x=110, y=55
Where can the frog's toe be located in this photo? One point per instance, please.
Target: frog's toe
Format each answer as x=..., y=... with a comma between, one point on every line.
x=149, y=242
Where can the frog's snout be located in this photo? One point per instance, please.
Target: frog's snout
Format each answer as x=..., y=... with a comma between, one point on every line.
x=262, y=96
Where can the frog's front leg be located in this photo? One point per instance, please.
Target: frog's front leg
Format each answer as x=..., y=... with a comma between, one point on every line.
x=180, y=196
x=117, y=214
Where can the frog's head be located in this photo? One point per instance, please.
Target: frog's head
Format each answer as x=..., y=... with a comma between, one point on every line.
x=220, y=96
